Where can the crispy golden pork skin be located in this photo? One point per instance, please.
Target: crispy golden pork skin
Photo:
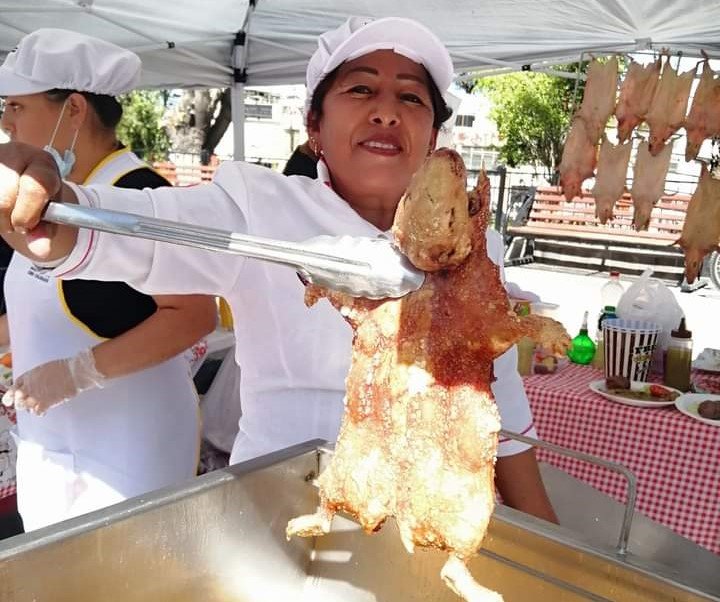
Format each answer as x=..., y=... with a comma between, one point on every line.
x=419, y=433
x=432, y=224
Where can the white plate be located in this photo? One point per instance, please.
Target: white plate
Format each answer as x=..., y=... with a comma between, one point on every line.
x=598, y=386
x=688, y=404
x=708, y=360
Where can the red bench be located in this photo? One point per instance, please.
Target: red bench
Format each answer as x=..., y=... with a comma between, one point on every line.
x=567, y=233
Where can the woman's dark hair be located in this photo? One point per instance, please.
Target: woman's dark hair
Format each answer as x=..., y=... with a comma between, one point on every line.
x=107, y=108
x=441, y=112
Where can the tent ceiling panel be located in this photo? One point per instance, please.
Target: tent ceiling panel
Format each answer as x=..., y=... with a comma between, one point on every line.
x=515, y=31
x=282, y=33
x=181, y=42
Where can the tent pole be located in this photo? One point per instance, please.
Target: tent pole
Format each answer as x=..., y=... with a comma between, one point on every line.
x=237, y=96
x=577, y=82
x=238, y=120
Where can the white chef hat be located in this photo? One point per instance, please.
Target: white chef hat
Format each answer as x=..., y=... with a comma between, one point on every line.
x=361, y=35
x=56, y=58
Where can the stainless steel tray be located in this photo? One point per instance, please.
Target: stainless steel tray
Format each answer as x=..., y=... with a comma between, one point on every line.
x=221, y=538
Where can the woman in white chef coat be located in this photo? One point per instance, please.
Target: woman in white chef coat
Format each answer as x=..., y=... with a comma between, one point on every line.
x=373, y=112
x=114, y=355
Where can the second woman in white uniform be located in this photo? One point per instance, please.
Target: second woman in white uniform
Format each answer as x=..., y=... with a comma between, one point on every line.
x=117, y=438
x=374, y=109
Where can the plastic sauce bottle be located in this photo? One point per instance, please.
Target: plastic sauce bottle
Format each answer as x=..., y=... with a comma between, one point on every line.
x=611, y=291
x=678, y=358
x=610, y=294
x=582, y=348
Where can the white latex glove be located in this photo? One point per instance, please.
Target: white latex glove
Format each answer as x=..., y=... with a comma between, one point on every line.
x=53, y=383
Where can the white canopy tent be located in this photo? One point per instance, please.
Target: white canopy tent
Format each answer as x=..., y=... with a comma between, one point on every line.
x=218, y=43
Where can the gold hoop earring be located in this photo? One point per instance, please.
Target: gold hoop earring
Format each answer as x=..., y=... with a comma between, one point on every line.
x=314, y=147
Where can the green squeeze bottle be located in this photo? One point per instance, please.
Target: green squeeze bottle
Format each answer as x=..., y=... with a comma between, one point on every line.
x=582, y=347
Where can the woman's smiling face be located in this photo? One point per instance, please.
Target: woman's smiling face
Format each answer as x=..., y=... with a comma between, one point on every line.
x=376, y=127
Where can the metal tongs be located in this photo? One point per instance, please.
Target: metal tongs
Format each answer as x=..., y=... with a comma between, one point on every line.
x=359, y=266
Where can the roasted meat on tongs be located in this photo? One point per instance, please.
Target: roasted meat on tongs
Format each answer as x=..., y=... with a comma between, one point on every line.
x=420, y=428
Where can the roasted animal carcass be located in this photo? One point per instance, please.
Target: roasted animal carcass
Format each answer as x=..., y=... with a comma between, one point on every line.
x=419, y=433
x=598, y=101
x=611, y=175
x=703, y=121
x=667, y=109
x=636, y=93
x=701, y=230
x=437, y=235
x=578, y=159
x=648, y=185
x=588, y=124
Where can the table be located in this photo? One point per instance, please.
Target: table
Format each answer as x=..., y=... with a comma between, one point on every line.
x=676, y=459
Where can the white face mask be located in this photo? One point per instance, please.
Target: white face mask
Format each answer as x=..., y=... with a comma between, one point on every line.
x=66, y=161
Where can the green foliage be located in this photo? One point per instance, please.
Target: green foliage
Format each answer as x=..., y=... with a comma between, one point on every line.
x=141, y=126
x=532, y=114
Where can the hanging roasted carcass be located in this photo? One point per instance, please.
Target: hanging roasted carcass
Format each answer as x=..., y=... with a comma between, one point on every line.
x=703, y=121
x=701, y=231
x=420, y=428
x=667, y=109
x=598, y=101
x=578, y=159
x=636, y=94
x=611, y=175
x=648, y=185
x=588, y=124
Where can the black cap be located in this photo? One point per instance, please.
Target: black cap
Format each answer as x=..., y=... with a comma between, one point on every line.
x=681, y=332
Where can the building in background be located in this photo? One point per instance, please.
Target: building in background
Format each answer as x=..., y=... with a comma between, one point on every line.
x=473, y=133
x=274, y=125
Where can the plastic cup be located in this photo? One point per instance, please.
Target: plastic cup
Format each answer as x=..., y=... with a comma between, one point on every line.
x=629, y=347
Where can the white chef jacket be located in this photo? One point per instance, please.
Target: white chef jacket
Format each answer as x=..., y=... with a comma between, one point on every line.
x=139, y=433
x=294, y=359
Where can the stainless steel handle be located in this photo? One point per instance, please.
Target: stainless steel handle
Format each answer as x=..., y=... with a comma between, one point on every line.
x=115, y=222
x=359, y=266
x=614, y=466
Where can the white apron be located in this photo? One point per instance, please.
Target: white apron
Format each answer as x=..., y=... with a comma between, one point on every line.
x=139, y=433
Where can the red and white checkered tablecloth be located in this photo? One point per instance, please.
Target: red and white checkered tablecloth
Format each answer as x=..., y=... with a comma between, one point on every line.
x=706, y=382
x=676, y=459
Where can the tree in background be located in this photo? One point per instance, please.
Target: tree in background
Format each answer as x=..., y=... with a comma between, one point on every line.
x=141, y=127
x=199, y=120
x=532, y=115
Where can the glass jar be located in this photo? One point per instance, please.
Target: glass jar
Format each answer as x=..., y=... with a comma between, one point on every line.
x=598, y=360
x=526, y=350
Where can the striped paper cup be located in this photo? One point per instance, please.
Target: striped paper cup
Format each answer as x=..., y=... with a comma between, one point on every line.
x=629, y=347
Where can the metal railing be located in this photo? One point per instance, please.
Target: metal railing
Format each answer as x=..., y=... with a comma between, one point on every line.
x=631, y=479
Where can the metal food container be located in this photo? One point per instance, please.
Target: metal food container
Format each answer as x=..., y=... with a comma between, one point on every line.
x=221, y=538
